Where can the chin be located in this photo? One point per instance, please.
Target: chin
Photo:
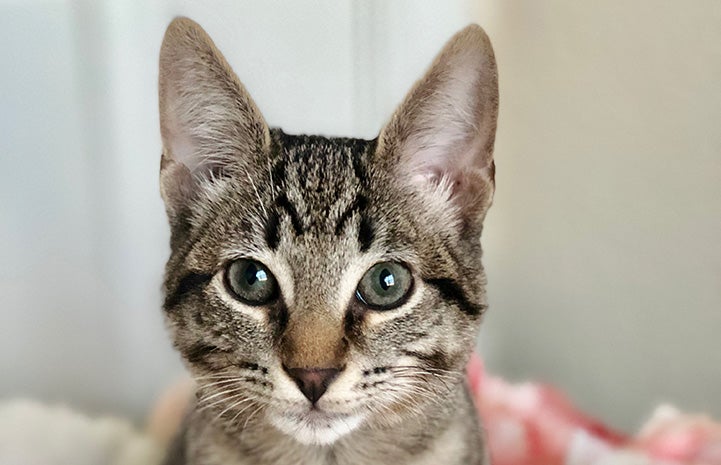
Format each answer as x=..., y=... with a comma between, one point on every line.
x=315, y=427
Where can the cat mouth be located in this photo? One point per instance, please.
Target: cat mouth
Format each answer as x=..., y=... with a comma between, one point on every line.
x=315, y=426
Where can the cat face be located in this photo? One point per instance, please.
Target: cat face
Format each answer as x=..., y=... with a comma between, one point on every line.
x=324, y=284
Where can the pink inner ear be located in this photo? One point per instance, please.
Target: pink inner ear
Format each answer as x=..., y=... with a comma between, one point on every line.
x=182, y=149
x=446, y=126
x=448, y=139
x=185, y=151
x=451, y=158
x=460, y=172
x=176, y=135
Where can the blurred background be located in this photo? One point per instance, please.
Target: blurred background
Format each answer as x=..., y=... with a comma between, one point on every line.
x=602, y=248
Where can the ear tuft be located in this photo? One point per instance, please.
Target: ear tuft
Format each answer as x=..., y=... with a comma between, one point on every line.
x=208, y=122
x=444, y=131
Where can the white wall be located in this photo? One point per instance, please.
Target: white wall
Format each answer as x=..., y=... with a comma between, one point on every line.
x=83, y=237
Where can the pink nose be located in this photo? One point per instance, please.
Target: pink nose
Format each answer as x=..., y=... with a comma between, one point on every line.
x=313, y=382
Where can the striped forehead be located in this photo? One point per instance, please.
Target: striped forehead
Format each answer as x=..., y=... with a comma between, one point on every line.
x=321, y=190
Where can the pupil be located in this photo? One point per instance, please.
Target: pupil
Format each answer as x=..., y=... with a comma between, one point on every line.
x=387, y=279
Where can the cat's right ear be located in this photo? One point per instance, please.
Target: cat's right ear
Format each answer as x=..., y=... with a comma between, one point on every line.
x=208, y=122
x=440, y=139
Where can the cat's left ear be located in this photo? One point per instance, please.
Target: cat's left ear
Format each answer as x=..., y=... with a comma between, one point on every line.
x=208, y=121
x=441, y=137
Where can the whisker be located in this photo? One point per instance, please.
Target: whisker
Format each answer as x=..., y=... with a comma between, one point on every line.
x=221, y=393
x=216, y=376
x=251, y=416
x=232, y=420
x=217, y=383
x=232, y=406
x=227, y=399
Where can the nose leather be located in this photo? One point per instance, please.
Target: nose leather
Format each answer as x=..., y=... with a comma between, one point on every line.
x=313, y=382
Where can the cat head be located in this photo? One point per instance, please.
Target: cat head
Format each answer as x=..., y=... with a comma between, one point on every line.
x=324, y=284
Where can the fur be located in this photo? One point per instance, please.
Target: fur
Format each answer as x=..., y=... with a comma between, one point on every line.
x=319, y=212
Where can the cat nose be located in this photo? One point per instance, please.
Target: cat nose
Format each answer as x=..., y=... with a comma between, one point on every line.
x=313, y=382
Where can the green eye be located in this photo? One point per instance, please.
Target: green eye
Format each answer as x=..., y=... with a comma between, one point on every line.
x=251, y=282
x=386, y=285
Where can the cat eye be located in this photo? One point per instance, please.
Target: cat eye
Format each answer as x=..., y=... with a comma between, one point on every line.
x=386, y=285
x=251, y=282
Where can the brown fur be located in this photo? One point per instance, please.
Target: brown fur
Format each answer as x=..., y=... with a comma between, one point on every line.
x=318, y=213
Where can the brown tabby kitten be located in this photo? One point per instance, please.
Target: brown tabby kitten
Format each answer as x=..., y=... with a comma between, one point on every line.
x=325, y=292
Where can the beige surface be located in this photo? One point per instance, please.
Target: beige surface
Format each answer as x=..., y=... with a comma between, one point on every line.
x=603, y=247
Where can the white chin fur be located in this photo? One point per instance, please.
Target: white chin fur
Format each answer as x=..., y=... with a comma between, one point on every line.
x=316, y=431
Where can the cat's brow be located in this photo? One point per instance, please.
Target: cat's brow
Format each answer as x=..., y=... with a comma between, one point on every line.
x=366, y=229
x=284, y=203
x=358, y=205
x=272, y=230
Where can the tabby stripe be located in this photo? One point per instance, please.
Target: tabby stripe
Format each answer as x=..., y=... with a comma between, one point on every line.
x=366, y=232
x=272, y=227
x=366, y=229
x=436, y=359
x=357, y=205
x=189, y=284
x=283, y=202
x=278, y=313
x=450, y=290
x=358, y=168
x=277, y=174
x=272, y=231
x=199, y=352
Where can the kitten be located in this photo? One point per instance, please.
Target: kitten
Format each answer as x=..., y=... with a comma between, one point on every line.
x=326, y=292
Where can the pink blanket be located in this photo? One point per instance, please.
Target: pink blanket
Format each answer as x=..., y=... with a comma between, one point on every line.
x=531, y=424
